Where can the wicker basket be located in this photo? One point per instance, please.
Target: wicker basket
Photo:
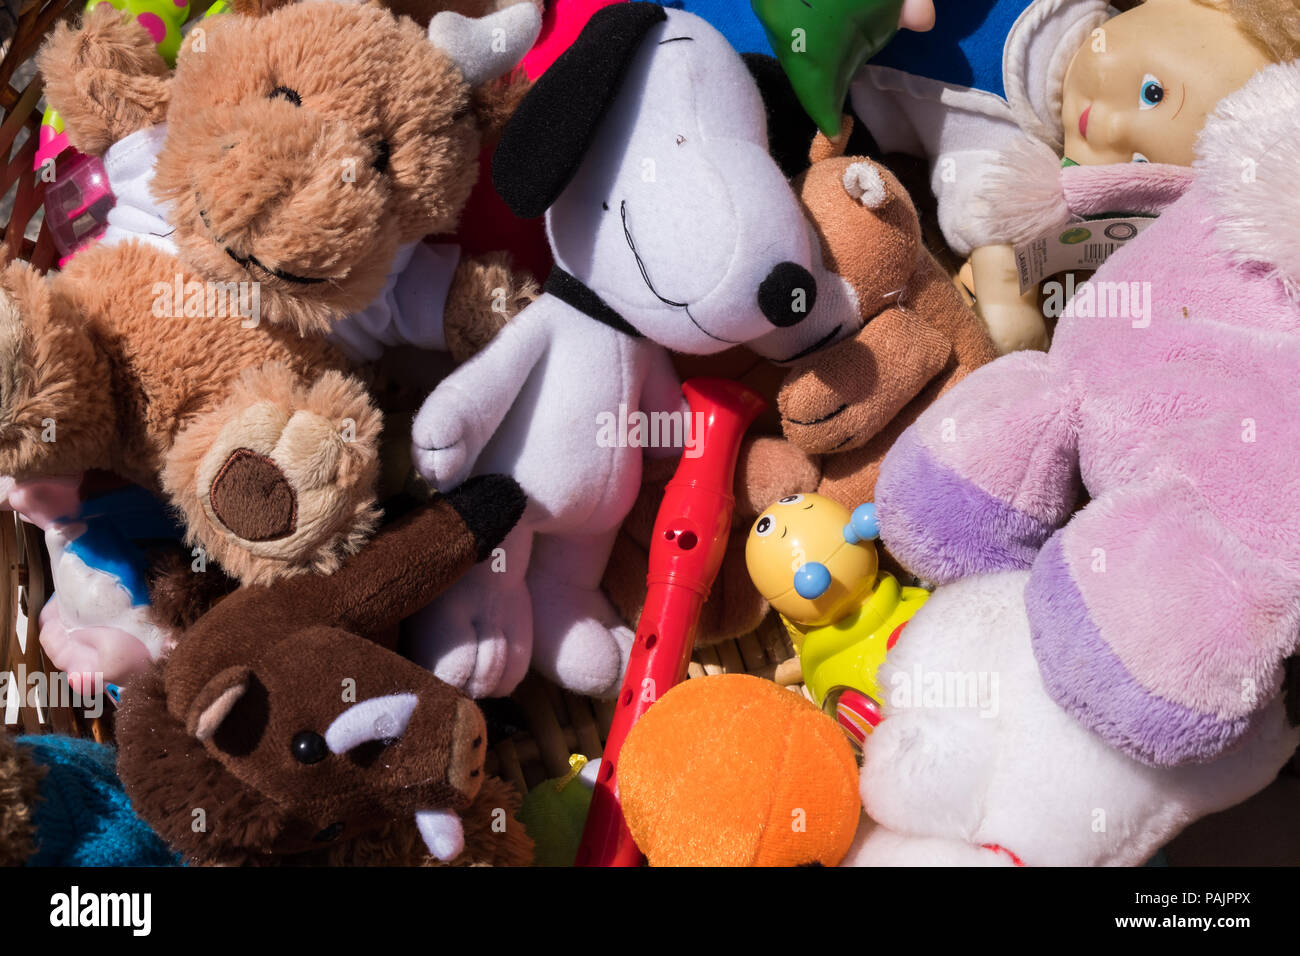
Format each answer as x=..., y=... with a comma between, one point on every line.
x=557, y=722
x=22, y=194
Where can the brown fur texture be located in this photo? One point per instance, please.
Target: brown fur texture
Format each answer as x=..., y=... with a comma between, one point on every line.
x=296, y=186
x=179, y=596
x=107, y=77
x=214, y=726
x=20, y=779
x=493, y=837
x=421, y=11
x=484, y=293
x=342, y=134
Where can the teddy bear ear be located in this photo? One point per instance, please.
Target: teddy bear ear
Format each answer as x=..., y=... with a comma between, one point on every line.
x=216, y=700
x=864, y=183
x=487, y=47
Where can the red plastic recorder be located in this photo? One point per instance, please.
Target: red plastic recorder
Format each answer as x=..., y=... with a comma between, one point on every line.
x=686, y=549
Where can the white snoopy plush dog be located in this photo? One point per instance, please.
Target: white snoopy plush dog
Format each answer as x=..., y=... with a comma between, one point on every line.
x=975, y=765
x=672, y=228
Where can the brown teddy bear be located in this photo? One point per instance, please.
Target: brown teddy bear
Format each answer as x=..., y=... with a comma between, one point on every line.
x=848, y=403
x=283, y=728
x=301, y=149
x=835, y=412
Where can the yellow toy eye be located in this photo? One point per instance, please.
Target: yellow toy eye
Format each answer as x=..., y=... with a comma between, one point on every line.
x=765, y=526
x=790, y=500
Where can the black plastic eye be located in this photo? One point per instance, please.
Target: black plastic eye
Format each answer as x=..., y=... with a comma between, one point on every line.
x=283, y=92
x=382, y=150
x=308, y=747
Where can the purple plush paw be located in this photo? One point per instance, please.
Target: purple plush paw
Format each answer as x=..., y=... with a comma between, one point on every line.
x=942, y=526
x=1085, y=677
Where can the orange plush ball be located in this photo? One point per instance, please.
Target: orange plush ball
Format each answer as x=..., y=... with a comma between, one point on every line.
x=736, y=771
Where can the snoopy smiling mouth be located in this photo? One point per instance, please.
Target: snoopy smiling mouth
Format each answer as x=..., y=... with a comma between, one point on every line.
x=645, y=276
x=251, y=260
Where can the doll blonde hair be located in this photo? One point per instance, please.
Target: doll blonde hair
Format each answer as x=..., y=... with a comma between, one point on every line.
x=1273, y=24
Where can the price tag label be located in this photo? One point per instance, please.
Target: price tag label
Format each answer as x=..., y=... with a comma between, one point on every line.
x=1077, y=247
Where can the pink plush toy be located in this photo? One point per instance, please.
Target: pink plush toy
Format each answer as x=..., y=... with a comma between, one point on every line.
x=1161, y=612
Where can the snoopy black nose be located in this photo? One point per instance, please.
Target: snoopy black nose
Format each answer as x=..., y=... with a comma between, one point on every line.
x=787, y=295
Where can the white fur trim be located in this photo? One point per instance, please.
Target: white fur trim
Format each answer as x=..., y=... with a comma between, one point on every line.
x=863, y=183
x=1023, y=197
x=1249, y=158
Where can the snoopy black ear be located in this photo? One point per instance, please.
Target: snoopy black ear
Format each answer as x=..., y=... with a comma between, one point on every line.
x=789, y=130
x=545, y=141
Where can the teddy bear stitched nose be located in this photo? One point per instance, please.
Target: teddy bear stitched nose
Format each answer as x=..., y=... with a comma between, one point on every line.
x=787, y=295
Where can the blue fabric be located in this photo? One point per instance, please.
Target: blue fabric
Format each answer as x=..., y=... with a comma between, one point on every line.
x=114, y=522
x=964, y=48
x=734, y=19
x=84, y=817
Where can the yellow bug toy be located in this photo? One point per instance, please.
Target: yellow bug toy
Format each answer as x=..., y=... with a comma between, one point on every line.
x=816, y=564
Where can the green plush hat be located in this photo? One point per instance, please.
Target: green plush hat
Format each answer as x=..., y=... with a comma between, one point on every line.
x=822, y=43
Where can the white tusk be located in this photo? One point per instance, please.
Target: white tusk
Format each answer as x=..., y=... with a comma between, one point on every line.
x=442, y=832
x=490, y=46
x=379, y=718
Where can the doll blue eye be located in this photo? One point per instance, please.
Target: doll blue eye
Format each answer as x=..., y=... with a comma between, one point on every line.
x=1152, y=93
x=1139, y=158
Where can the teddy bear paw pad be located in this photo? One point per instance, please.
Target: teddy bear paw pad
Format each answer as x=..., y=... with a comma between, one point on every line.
x=251, y=496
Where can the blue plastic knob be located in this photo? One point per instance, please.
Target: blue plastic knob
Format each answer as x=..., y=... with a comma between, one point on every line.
x=864, y=524
x=812, y=580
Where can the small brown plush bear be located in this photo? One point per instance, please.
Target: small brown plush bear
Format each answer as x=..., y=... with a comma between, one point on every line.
x=283, y=729
x=301, y=149
x=850, y=402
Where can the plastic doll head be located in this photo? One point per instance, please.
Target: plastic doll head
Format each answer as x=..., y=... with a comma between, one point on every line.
x=802, y=560
x=1141, y=87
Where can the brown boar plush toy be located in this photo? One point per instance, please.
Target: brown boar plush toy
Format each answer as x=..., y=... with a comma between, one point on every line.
x=284, y=729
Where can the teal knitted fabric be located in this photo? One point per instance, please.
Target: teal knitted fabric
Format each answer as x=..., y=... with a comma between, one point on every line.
x=84, y=817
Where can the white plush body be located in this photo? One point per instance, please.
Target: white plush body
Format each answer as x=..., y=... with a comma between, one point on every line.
x=569, y=370
x=674, y=217
x=1014, y=771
